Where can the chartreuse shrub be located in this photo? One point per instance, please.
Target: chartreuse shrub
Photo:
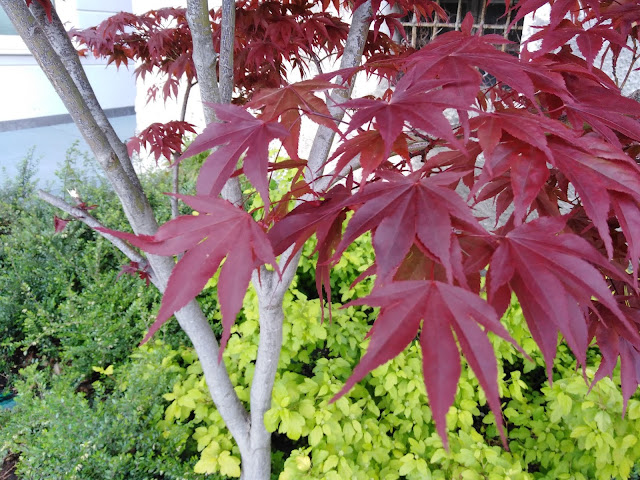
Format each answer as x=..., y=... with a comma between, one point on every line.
x=383, y=429
x=59, y=434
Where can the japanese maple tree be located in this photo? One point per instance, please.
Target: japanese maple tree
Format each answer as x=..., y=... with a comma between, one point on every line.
x=553, y=144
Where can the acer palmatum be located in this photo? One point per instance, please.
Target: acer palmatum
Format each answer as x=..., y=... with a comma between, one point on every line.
x=557, y=140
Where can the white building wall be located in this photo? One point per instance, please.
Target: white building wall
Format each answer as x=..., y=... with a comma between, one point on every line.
x=27, y=93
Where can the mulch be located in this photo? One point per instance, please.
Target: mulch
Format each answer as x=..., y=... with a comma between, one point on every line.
x=8, y=467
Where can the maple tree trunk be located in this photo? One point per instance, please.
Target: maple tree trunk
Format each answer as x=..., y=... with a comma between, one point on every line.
x=205, y=61
x=256, y=462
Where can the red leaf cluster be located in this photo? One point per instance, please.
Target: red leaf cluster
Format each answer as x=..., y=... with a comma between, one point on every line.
x=135, y=270
x=553, y=146
x=269, y=35
x=161, y=139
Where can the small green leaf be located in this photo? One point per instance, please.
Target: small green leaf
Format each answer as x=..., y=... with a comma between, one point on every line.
x=330, y=463
x=315, y=436
x=272, y=419
x=229, y=465
x=303, y=463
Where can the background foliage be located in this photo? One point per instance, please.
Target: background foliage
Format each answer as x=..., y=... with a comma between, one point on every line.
x=120, y=413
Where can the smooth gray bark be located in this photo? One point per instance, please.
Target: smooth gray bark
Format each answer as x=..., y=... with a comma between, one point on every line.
x=205, y=60
x=175, y=180
x=84, y=217
x=227, y=40
x=351, y=57
x=204, y=56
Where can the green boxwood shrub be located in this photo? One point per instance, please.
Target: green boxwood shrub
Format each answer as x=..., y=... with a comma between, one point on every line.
x=63, y=310
x=60, y=434
x=60, y=298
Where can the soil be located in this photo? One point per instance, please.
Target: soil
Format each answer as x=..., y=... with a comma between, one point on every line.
x=8, y=467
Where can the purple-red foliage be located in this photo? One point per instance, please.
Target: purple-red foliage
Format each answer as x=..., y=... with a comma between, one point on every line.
x=559, y=145
x=161, y=139
x=135, y=270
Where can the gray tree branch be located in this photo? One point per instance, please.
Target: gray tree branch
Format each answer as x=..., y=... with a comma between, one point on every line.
x=61, y=43
x=227, y=40
x=205, y=61
x=175, y=180
x=204, y=56
x=87, y=219
x=351, y=57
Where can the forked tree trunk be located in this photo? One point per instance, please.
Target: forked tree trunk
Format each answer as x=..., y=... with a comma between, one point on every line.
x=53, y=51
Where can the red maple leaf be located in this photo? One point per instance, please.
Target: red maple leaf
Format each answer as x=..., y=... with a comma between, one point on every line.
x=59, y=224
x=325, y=219
x=370, y=146
x=554, y=276
x=220, y=230
x=162, y=139
x=407, y=210
x=289, y=102
x=589, y=41
x=444, y=310
x=458, y=54
x=135, y=269
x=419, y=101
x=241, y=132
x=520, y=169
x=559, y=9
x=604, y=177
x=605, y=109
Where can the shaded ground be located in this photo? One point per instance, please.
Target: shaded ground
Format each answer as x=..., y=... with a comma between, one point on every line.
x=8, y=467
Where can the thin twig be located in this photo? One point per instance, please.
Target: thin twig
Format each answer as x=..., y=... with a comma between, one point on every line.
x=634, y=59
x=174, y=158
x=87, y=219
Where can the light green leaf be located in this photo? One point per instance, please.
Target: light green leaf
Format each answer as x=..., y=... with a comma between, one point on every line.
x=315, y=436
x=272, y=419
x=293, y=426
x=330, y=463
x=229, y=465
